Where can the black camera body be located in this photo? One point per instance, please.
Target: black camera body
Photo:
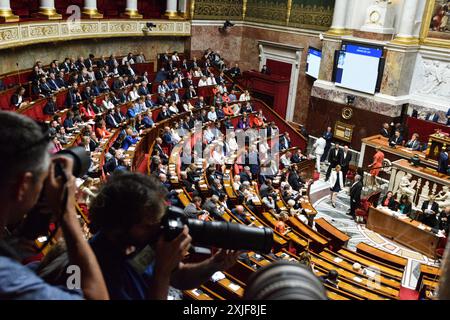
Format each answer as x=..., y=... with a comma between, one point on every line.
x=81, y=161
x=224, y=235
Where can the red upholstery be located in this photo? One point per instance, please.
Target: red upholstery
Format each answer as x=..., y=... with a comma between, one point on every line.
x=363, y=211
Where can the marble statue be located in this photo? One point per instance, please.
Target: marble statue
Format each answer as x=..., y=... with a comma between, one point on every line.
x=443, y=198
x=424, y=193
x=407, y=187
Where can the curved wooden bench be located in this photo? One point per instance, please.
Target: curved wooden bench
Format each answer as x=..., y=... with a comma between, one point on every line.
x=380, y=255
x=338, y=238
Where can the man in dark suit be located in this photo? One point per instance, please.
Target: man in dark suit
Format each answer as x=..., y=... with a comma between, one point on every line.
x=334, y=158
x=246, y=175
x=385, y=131
x=328, y=136
x=345, y=161
x=443, y=161
x=161, y=99
x=397, y=139
x=294, y=180
x=143, y=90
x=200, y=103
x=163, y=114
x=73, y=97
x=285, y=141
x=50, y=108
x=235, y=71
x=110, y=120
x=60, y=82
x=430, y=209
x=355, y=195
x=158, y=151
x=44, y=88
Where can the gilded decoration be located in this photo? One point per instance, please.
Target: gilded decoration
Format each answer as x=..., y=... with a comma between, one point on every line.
x=218, y=9
x=436, y=24
x=25, y=33
x=267, y=11
x=305, y=14
x=311, y=14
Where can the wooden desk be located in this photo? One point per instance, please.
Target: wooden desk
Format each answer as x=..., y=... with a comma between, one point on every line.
x=405, y=232
x=338, y=238
x=370, y=143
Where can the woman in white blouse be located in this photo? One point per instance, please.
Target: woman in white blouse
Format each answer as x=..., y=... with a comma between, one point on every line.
x=203, y=82
x=134, y=95
x=197, y=72
x=107, y=104
x=245, y=96
x=211, y=81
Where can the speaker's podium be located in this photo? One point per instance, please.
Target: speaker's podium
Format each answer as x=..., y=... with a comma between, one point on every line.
x=272, y=89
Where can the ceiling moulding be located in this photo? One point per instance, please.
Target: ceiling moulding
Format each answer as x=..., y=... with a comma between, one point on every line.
x=22, y=34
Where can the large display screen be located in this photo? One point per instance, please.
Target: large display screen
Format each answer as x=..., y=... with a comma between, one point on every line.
x=357, y=67
x=313, y=62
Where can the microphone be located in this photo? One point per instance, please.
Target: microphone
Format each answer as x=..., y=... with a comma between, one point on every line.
x=18, y=73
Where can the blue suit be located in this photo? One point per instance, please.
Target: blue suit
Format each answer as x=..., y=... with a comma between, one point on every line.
x=128, y=142
x=328, y=136
x=147, y=122
x=131, y=113
x=448, y=117
x=443, y=163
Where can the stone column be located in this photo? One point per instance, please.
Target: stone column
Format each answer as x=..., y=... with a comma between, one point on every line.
x=183, y=8
x=171, y=9
x=90, y=10
x=405, y=34
x=131, y=11
x=47, y=10
x=6, y=14
x=339, y=18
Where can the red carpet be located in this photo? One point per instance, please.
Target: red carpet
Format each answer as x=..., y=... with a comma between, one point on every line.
x=143, y=166
x=408, y=294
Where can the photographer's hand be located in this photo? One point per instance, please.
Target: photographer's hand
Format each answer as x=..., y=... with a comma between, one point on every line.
x=225, y=259
x=168, y=259
x=55, y=187
x=79, y=251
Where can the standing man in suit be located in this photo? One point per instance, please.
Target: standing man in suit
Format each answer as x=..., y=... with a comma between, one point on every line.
x=448, y=117
x=355, y=195
x=430, y=209
x=334, y=158
x=345, y=161
x=443, y=161
x=328, y=136
x=385, y=131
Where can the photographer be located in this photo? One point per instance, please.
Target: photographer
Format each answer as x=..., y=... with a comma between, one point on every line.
x=126, y=217
x=27, y=171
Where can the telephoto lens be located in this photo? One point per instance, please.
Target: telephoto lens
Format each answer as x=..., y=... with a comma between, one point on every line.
x=284, y=280
x=217, y=234
x=81, y=161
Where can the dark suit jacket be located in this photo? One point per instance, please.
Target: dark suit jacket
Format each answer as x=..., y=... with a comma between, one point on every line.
x=50, y=108
x=245, y=177
x=385, y=133
x=414, y=145
x=443, y=162
x=435, y=118
x=294, y=181
x=15, y=100
x=345, y=161
x=335, y=159
x=397, y=141
x=355, y=192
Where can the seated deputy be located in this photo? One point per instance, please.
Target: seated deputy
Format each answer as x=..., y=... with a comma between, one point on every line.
x=136, y=260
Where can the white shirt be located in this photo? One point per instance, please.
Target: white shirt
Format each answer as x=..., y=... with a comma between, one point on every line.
x=232, y=144
x=212, y=116
x=175, y=58
x=174, y=109
x=108, y=104
x=133, y=95
x=203, y=83
x=211, y=81
x=244, y=97
x=209, y=135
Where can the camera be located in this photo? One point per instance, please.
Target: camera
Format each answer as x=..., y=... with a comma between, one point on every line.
x=81, y=161
x=223, y=235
